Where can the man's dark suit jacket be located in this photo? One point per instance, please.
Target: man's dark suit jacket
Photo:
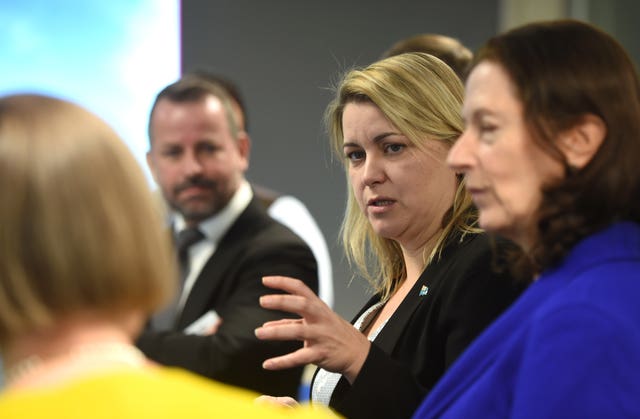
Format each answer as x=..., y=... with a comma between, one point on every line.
x=454, y=299
x=231, y=283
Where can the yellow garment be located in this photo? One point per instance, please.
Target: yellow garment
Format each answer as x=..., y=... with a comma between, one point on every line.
x=139, y=394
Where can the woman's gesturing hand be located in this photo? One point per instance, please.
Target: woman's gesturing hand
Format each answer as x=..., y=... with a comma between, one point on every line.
x=330, y=342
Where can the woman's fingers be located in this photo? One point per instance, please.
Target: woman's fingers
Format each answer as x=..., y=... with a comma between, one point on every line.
x=300, y=357
x=280, y=322
x=282, y=330
x=308, y=307
x=282, y=302
x=290, y=285
x=329, y=341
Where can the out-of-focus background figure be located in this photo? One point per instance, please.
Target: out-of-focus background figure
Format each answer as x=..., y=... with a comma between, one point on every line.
x=285, y=208
x=198, y=156
x=448, y=49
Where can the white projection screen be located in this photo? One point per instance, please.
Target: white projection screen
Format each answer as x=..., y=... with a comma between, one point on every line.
x=111, y=56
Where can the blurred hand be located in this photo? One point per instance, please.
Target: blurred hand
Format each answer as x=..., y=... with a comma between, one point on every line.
x=330, y=342
x=278, y=401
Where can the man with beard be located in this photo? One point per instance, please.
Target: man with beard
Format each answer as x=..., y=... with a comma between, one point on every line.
x=225, y=242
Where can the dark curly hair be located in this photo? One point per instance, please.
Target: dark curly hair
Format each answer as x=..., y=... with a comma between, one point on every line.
x=562, y=71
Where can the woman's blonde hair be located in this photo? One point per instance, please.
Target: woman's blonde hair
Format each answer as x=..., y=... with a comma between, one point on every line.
x=422, y=97
x=78, y=227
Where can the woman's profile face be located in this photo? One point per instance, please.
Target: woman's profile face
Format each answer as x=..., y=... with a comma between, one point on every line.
x=403, y=190
x=505, y=170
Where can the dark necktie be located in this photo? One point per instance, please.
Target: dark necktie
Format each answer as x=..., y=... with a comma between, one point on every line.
x=184, y=240
x=165, y=319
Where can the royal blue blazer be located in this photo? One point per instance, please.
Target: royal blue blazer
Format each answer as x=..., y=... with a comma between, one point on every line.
x=568, y=348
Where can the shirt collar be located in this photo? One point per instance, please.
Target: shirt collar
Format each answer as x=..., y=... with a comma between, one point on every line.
x=215, y=226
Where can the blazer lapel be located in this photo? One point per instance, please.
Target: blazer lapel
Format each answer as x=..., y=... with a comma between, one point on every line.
x=213, y=273
x=419, y=294
x=208, y=281
x=394, y=329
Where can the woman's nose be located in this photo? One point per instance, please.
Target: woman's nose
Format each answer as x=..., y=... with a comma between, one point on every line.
x=373, y=172
x=460, y=157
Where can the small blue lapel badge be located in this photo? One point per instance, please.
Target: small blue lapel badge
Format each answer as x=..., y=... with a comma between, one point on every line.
x=424, y=290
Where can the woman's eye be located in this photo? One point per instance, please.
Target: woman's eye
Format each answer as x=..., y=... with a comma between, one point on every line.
x=487, y=132
x=487, y=128
x=394, y=148
x=355, y=155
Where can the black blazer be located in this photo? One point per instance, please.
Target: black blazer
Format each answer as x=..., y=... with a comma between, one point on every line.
x=427, y=332
x=231, y=283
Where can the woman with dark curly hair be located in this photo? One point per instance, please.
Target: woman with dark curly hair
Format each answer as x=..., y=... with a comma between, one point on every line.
x=550, y=155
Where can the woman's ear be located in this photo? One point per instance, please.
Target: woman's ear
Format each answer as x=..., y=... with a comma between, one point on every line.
x=580, y=143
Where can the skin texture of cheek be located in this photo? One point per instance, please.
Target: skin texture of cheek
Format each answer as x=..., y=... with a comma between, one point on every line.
x=495, y=217
x=357, y=192
x=511, y=212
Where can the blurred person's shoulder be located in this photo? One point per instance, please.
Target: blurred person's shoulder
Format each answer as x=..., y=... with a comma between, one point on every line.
x=150, y=393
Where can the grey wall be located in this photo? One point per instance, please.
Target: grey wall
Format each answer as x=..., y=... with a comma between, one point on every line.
x=285, y=54
x=620, y=19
